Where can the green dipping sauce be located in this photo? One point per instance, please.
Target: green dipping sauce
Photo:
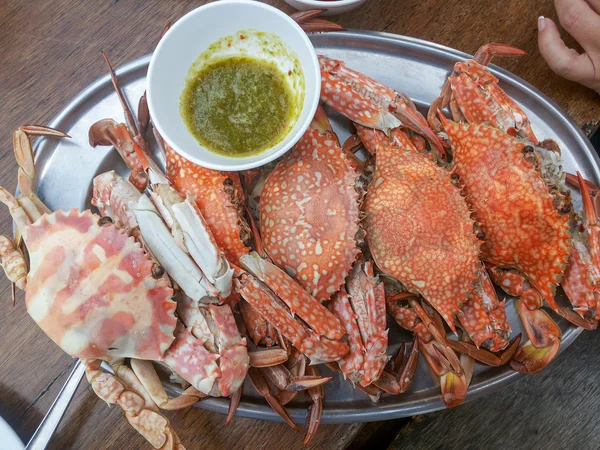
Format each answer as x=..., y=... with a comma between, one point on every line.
x=238, y=106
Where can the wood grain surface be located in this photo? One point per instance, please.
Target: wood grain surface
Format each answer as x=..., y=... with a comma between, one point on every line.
x=49, y=52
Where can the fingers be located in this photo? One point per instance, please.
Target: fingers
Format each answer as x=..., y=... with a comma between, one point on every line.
x=563, y=60
x=595, y=5
x=581, y=21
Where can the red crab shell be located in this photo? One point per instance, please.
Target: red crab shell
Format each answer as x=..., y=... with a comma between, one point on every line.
x=419, y=227
x=314, y=181
x=523, y=229
x=215, y=203
x=90, y=288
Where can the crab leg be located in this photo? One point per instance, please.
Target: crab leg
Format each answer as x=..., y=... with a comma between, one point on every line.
x=362, y=313
x=370, y=103
x=315, y=410
x=140, y=412
x=147, y=376
x=401, y=371
x=441, y=358
x=24, y=153
x=467, y=348
x=283, y=379
x=25, y=176
x=483, y=316
x=262, y=387
x=269, y=289
x=13, y=262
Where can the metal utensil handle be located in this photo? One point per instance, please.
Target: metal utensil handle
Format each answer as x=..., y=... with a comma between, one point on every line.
x=47, y=427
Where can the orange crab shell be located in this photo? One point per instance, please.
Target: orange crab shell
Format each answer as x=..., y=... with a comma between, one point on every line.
x=317, y=182
x=91, y=289
x=208, y=187
x=419, y=227
x=523, y=229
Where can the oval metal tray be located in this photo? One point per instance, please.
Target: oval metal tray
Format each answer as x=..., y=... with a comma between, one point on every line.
x=418, y=68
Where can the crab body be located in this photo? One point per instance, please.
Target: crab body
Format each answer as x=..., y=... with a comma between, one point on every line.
x=523, y=229
x=310, y=213
x=309, y=210
x=91, y=289
x=416, y=221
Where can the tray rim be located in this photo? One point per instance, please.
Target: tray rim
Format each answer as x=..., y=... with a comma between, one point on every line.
x=381, y=411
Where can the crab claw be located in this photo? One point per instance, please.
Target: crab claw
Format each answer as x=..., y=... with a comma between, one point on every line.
x=485, y=53
x=544, y=341
x=370, y=103
x=109, y=132
x=24, y=154
x=276, y=296
x=454, y=388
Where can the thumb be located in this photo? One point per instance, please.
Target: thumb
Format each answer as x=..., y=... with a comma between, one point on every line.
x=563, y=60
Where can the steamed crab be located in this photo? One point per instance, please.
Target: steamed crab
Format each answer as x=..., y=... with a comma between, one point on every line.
x=516, y=187
x=93, y=290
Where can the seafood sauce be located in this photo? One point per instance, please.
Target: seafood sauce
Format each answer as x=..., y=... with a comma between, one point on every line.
x=238, y=106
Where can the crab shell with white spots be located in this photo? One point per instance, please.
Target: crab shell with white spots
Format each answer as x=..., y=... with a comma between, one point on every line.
x=523, y=229
x=90, y=288
x=309, y=213
x=419, y=227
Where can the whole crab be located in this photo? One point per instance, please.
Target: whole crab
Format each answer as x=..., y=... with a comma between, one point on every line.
x=516, y=187
x=94, y=291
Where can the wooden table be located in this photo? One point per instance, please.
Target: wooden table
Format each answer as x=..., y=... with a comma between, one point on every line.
x=49, y=51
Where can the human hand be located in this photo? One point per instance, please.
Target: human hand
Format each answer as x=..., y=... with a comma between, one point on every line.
x=581, y=19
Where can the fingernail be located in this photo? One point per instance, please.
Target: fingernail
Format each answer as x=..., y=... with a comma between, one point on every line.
x=541, y=23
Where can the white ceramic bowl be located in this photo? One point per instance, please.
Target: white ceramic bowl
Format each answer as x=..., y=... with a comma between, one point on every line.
x=193, y=34
x=332, y=7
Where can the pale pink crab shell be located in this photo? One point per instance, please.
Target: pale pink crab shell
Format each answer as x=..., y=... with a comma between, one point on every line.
x=90, y=288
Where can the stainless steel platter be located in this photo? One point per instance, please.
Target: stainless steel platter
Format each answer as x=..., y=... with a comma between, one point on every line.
x=418, y=68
